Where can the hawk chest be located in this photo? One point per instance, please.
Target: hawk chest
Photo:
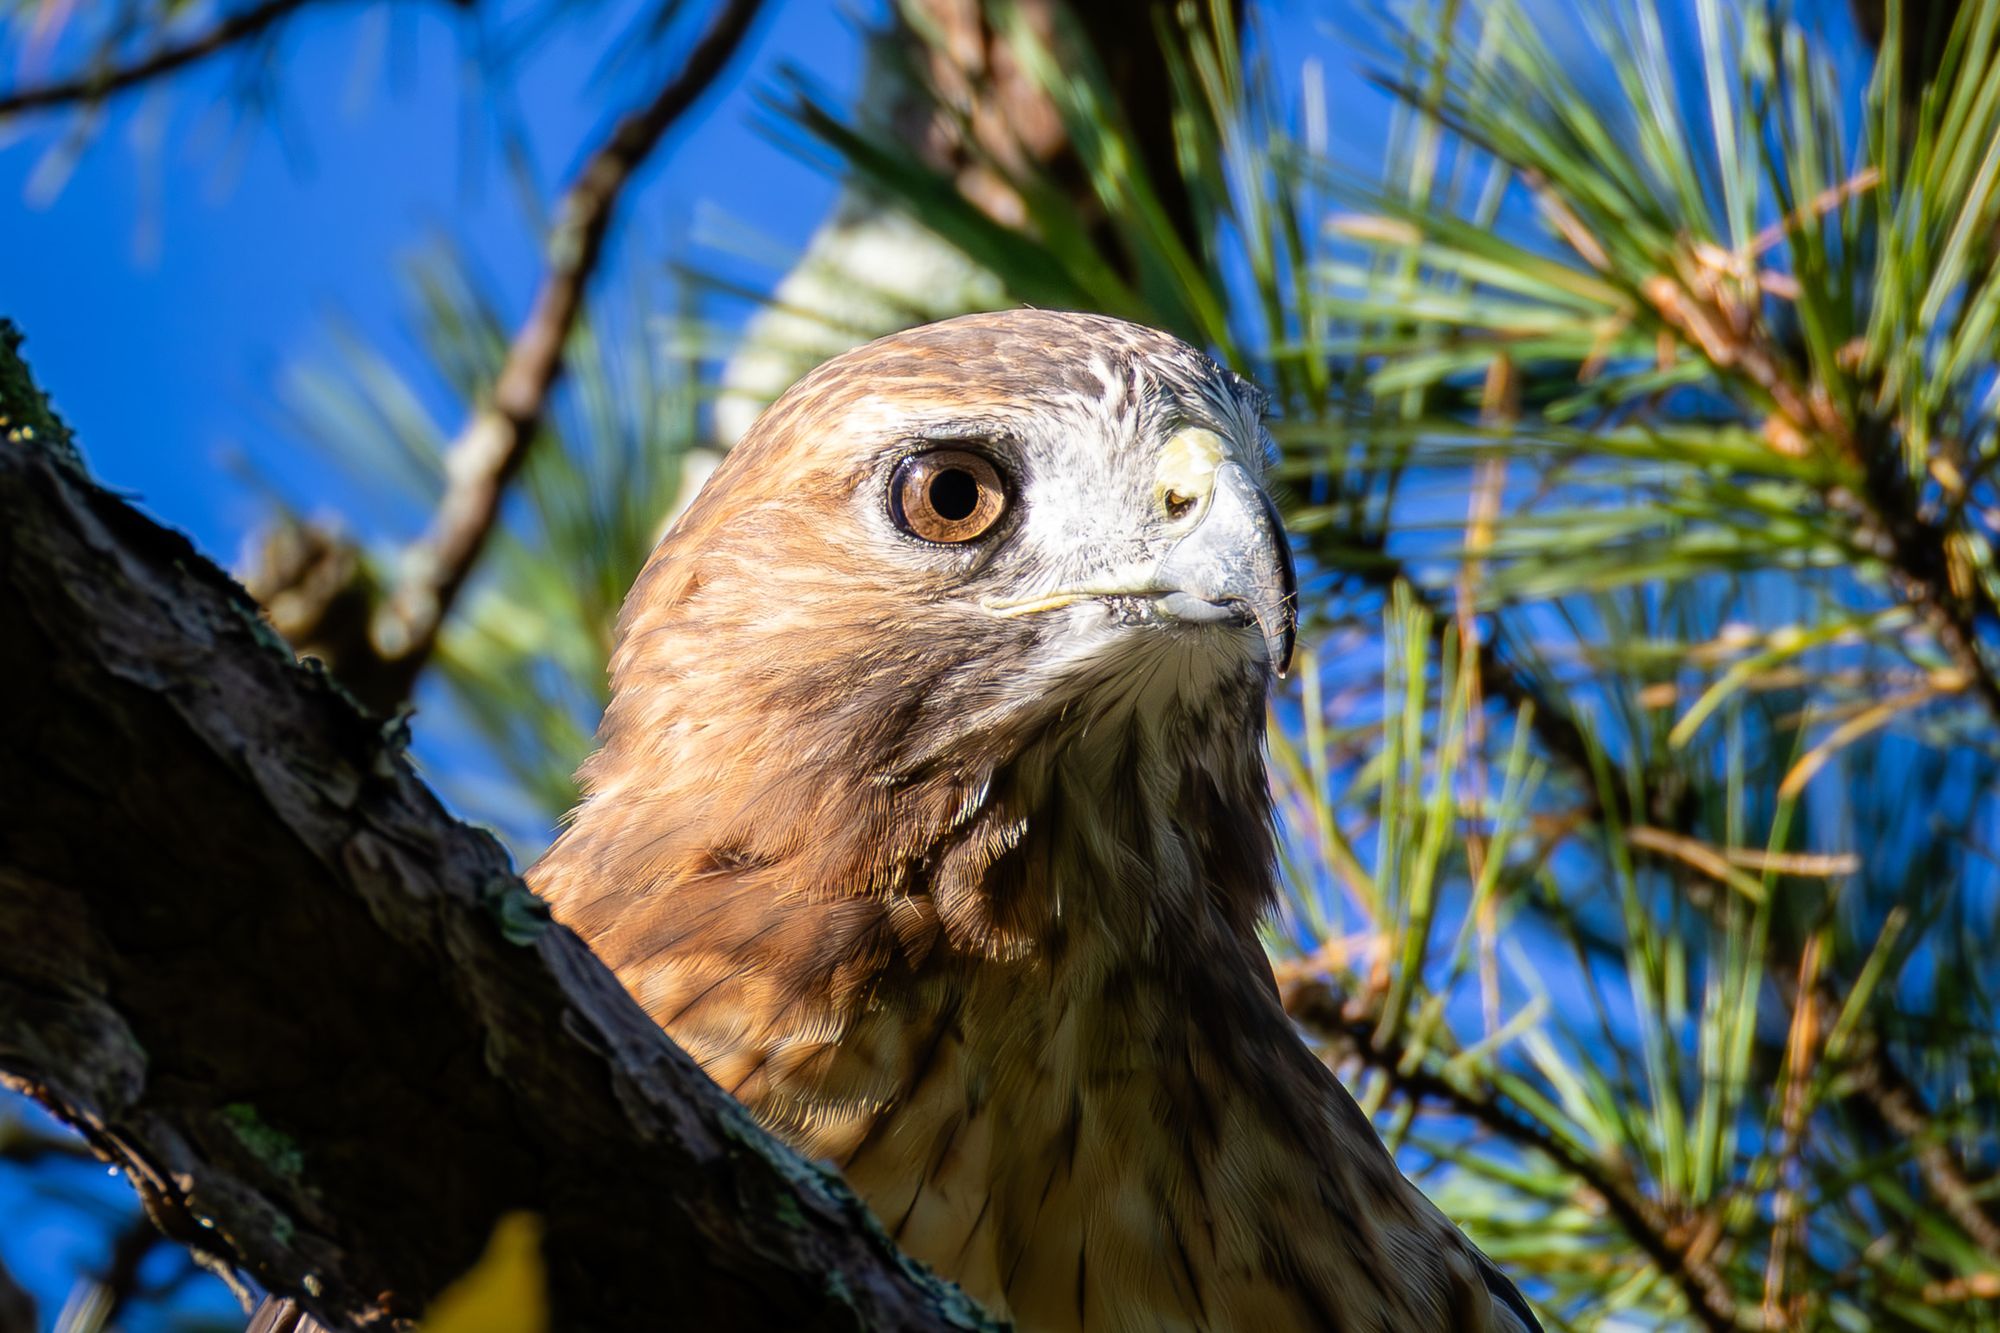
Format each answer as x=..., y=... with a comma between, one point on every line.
x=1072, y=1152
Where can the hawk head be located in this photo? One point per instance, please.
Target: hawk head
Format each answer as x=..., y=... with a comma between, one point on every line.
x=992, y=518
x=1027, y=550
x=1080, y=494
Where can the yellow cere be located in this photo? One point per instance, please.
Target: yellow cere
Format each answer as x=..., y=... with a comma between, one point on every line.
x=1188, y=463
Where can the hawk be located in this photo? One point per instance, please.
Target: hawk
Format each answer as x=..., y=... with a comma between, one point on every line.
x=930, y=817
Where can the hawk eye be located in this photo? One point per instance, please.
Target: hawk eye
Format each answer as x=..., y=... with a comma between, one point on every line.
x=947, y=496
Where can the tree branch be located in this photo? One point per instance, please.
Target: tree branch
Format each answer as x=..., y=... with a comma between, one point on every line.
x=379, y=654
x=1899, y=1113
x=319, y=1023
x=99, y=84
x=1890, y=519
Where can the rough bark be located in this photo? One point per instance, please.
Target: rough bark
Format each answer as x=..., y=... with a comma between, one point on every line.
x=319, y=1023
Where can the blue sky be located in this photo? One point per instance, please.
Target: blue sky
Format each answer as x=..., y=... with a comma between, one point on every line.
x=188, y=256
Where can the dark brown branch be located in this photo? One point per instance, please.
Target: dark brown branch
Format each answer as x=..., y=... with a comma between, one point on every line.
x=1889, y=517
x=490, y=451
x=1348, y=1030
x=319, y=1023
x=98, y=84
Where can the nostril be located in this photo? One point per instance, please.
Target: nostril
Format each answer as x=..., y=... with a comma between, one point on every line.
x=1179, y=504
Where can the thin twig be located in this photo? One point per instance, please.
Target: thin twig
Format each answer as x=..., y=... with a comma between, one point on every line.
x=1713, y=859
x=1903, y=1115
x=101, y=83
x=490, y=451
x=1788, y=1216
x=97, y=1302
x=22, y=1143
x=1975, y=1287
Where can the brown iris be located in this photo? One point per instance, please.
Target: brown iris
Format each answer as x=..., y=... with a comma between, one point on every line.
x=947, y=495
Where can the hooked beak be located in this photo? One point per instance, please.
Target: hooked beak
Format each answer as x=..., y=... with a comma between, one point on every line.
x=1236, y=563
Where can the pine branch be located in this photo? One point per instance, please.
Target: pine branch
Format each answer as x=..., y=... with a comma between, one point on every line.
x=97, y=85
x=1893, y=1100
x=381, y=666
x=1901, y=1114
x=1918, y=552
x=1349, y=1027
x=253, y=961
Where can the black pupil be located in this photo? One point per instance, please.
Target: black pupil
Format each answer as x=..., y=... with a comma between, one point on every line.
x=954, y=494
